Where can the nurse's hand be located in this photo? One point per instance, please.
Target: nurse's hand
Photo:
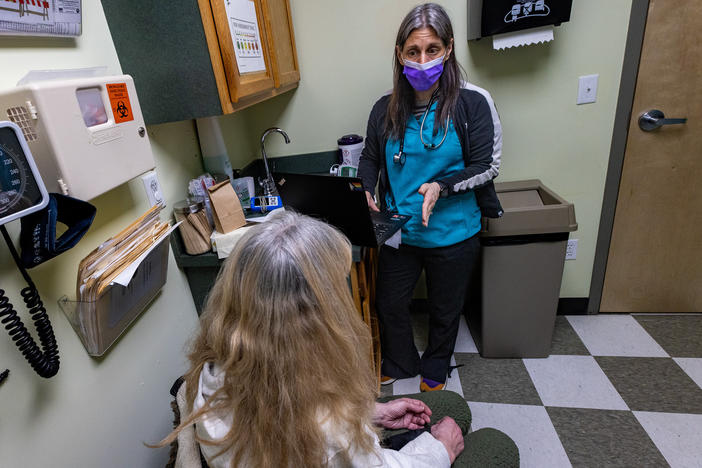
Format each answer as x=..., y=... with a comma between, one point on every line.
x=431, y=192
x=371, y=203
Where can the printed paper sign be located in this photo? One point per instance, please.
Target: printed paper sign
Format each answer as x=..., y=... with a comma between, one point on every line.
x=246, y=37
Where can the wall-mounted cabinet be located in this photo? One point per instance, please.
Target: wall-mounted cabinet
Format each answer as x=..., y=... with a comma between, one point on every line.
x=198, y=58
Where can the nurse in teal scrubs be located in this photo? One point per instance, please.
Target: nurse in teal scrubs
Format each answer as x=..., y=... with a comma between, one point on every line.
x=432, y=148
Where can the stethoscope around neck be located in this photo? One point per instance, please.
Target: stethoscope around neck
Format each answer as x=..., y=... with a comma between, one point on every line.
x=400, y=157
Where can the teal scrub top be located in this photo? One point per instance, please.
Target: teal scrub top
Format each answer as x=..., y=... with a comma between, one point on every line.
x=455, y=218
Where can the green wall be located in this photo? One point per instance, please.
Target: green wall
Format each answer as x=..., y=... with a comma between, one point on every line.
x=98, y=412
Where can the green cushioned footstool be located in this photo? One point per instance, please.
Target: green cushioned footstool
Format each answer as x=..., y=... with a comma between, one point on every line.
x=484, y=448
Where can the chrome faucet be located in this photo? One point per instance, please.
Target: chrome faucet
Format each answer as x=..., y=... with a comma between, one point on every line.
x=268, y=184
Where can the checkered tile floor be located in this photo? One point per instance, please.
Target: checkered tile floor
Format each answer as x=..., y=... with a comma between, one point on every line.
x=617, y=390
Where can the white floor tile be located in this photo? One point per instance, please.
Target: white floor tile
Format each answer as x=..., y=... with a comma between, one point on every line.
x=573, y=382
x=529, y=427
x=692, y=367
x=677, y=436
x=615, y=335
x=406, y=386
x=464, y=342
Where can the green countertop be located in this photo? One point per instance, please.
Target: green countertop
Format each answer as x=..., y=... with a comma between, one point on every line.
x=209, y=259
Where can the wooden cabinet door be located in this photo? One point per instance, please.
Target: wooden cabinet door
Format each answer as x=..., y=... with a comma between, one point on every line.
x=246, y=84
x=281, y=39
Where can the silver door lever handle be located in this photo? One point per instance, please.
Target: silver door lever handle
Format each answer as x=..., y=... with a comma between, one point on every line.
x=654, y=119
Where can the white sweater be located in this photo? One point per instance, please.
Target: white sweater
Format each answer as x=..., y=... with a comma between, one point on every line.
x=423, y=452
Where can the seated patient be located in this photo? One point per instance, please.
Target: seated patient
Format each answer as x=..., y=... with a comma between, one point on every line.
x=280, y=374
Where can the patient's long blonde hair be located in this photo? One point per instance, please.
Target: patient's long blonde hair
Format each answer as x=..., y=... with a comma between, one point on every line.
x=281, y=324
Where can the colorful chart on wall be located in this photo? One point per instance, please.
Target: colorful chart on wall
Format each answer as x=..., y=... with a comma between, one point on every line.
x=246, y=37
x=40, y=17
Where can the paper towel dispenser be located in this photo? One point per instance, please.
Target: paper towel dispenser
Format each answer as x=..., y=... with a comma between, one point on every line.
x=489, y=17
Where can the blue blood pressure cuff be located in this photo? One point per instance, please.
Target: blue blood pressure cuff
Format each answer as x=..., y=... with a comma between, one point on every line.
x=38, y=233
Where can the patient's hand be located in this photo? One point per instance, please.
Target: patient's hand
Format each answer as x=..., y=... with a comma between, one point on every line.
x=448, y=433
x=403, y=413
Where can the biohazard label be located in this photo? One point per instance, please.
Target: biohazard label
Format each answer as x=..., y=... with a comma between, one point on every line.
x=119, y=101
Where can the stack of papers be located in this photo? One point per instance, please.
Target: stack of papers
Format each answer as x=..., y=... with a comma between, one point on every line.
x=118, y=280
x=116, y=258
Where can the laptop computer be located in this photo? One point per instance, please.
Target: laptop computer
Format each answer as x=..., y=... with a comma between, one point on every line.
x=341, y=202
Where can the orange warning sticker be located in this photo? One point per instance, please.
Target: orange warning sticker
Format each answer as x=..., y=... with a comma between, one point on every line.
x=119, y=101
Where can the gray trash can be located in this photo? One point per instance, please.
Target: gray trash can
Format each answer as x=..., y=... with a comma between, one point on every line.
x=511, y=311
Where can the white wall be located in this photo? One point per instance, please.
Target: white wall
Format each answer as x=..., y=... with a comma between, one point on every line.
x=548, y=136
x=97, y=412
x=345, y=53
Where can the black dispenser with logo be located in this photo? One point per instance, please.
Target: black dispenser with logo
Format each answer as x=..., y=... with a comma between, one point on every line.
x=489, y=17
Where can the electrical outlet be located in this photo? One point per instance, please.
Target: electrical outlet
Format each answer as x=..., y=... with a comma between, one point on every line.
x=587, y=89
x=572, y=249
x=153, y=188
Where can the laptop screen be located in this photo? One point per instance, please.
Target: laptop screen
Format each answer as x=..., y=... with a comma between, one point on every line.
x=340, y=201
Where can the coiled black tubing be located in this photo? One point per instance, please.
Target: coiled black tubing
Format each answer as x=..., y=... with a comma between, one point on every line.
x=44, y=360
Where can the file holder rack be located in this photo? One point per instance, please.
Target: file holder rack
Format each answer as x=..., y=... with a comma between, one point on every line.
x=100, y=323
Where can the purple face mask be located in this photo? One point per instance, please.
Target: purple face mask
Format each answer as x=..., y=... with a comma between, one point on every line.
x=422, y=76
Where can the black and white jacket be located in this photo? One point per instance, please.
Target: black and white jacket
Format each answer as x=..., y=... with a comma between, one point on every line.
x=480, y=133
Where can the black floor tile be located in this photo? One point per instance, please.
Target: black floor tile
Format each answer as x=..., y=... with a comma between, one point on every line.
x=495, y=380
x=565, y=340
x=678, y=335
x=595, y=438
x=386, y=390
x=420, y=327
x=652, y=384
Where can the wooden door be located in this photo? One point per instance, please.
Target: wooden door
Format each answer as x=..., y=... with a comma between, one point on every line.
x=242, y=85
x=655, y=259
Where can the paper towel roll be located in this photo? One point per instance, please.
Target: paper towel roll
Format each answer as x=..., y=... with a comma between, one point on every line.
x=522, y=38
x=223, y=244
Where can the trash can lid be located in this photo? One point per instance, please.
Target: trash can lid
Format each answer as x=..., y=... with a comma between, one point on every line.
x=530, y=208
x=520, y=199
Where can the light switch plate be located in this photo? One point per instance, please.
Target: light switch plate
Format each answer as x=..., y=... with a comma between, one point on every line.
x=587, y=89
x=572, y=249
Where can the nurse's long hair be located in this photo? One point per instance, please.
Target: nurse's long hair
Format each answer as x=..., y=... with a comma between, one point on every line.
x=402, y=100
x=281, y=324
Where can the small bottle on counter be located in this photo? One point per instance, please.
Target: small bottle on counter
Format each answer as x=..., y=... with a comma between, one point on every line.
x=195, y=228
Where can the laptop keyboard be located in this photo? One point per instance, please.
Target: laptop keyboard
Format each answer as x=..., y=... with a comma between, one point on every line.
x=380, y=229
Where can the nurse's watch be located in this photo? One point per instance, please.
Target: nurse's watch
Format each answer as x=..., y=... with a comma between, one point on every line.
x=444, y=189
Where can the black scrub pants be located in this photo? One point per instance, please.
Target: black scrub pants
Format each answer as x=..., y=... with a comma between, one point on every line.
x=448, y=272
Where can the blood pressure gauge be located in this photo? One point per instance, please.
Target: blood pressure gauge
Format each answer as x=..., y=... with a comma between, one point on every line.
x=21, y=189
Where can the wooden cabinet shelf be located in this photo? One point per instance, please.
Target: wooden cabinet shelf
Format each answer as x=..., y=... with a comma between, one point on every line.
x=183, y=61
